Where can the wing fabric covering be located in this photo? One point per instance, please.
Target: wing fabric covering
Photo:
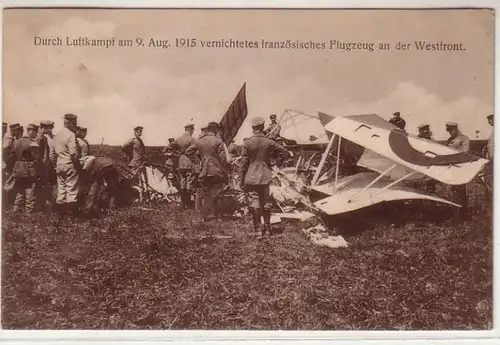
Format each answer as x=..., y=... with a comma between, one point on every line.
x=304, y=127
x=427, y=157
x=352, y=194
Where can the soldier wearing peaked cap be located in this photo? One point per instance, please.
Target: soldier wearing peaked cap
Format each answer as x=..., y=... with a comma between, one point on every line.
x=398, y=121
x=4, y=129
x=424, y=132
x=256, y=154
x=185, y=166
x=26, y=170
x=170, y=153
x=83, y=144
x=490, y=145
x=8, y=154
x=135, y=150
x=213, y=173
x=66, y=156
x=460, y=142
x=274, y=129
x=457, y=140
x=48, y=180
x=488, y=151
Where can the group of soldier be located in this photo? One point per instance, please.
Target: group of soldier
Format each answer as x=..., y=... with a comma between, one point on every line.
x=458, y=141
x=202, y=167
x=42, y=171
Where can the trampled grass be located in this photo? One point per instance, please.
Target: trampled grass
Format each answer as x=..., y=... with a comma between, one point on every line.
x=155, y=269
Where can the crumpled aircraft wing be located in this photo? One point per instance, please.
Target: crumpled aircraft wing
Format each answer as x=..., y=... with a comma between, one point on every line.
x=352, y=194
x=430, y=158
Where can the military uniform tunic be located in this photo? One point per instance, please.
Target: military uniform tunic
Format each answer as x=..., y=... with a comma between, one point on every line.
x=185, y=166
x=462, y=143
x=398, y=122
x=256, y=154
x=26, y=172
x=67, y=153
x=273, y=131
x=211, y=152
x=136, y=152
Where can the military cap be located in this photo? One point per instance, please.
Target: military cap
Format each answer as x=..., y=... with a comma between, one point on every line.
x=171, y=139
x=189, y=125
x=203, y=128
x=257, y=121
x=423, y=127
x=138, y=128
x=4, y=124
x=451, y=124
x=32, y=126
x=47, y=123
x=82, y=129
x=273, y=116
x=213, y=124
x=15, y=126
x=70, y=117
x=397, y=113
x=489, y=116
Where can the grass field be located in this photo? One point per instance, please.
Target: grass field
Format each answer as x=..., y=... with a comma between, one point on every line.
x=156, y=269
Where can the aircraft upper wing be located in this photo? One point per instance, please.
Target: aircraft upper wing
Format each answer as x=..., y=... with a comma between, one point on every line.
x=305, y=127
x=435, y=160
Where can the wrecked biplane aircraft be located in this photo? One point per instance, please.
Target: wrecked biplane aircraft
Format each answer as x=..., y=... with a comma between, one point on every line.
x=395, y=157
x=388, y=162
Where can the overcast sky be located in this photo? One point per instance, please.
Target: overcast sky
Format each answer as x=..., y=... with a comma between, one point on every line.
x=112, y=90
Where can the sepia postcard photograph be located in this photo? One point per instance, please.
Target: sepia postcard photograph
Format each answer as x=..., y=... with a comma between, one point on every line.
x=247, y=169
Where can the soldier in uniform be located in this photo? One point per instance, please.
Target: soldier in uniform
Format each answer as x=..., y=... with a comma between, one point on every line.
x=8, y=156
x=83, y=144
x=185, y=167
x=398, y=121
x=256, y=154
x=460, y=142
x=136, y=153
x=4, y=129
x=170, y=153
x=68, y=167
x=424, y=132
x=102, y=170
x=488, y=153
x=213, y=174
x=26, y=170
x=48, y=181
x=488, y=149
x=274, y=129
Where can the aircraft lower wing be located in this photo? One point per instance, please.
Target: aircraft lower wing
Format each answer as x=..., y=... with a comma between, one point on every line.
x=353, y=193
x=437, y=161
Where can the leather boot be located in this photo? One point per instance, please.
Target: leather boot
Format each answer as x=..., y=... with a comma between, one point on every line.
x=256, y=224
x=267, y=223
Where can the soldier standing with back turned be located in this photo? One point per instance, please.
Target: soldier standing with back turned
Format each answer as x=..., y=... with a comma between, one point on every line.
x=256, y=154
x=185, y=166
x=213, y=173
x=26, y=170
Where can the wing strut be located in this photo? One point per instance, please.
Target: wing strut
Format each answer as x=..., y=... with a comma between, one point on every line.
x=322, y=162
x=373, y=182
x=395, y=182
x=337, y=164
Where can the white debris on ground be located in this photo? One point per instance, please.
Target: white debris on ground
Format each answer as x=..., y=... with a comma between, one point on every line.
x=318, y=235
